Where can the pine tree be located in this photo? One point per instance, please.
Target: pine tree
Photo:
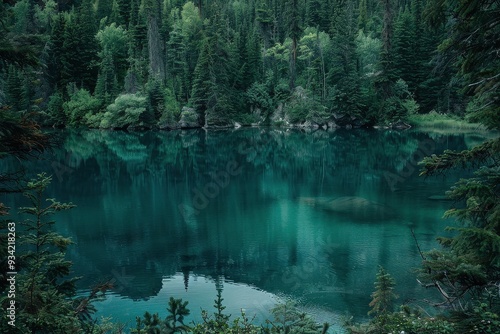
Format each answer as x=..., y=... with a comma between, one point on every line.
x=177, y=310
x=16, y=97
x=386, y=79
x=343, y=73
x=55, y=53
x=43, y=286
x=124, y=10
x=107, y=88
x=204, y=81
x=79, y=57
x=176, y=59
x=404, y=49
x=264, y=21
x=104, y=9
x=363, y=15
x=86, y=69
x=383, y=296
x=213, y=94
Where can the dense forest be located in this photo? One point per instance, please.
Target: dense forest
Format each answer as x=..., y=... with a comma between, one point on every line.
x=172, y=63
x=141, y=64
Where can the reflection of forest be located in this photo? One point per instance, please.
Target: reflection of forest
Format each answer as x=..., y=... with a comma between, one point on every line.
x=128, y=226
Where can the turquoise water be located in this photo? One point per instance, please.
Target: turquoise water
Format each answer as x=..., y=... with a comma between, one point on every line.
x=248, y=211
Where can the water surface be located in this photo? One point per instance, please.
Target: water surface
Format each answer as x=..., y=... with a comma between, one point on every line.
x=185, y=213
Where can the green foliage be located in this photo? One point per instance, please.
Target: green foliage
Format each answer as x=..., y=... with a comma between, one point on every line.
x=106, y=88
x=404, y=321
x=127, y=110
x=466, y=270
x=288, y=319
x=177, y=310
x=383, y=296
x=259, y=98
x=400, y=105
x=448, y=121
x=113, y=41
x=43, y=289
x=80, y=107
x=15, y=95
x=480, y=320
x=171, y=108
x=349, y=54
x=55, y=109
x=150, y=324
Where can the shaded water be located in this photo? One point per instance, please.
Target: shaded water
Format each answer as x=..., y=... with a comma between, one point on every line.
x=185, y=213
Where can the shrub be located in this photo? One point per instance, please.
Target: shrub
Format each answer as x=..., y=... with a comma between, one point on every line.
x=127, y=110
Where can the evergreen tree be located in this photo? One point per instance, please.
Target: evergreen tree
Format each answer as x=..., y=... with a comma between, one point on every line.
x=176, y=59
x=86, y=70
x=114, y=43
x=79, y=57
x=104, y=9
x=363, y=15
x=343, y=74
x=386, y=79
x=177, y=310
x=264, y=21
x=294, y=32
x=55, y=53
x=383, y=296
x=204, y=81
x=124, y=8
x=107, y=88
x=317, y=14
x=213, y=94
x=466, y=271
x=404, y=49
x=15, y=94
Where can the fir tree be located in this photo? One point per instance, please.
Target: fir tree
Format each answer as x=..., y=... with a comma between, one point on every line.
x=404, y=49
x=156, y=42
x=55, y=53
x=383, y=296
x=466, y=271
x=16, y=97
x=107, y=88
x=177, y=310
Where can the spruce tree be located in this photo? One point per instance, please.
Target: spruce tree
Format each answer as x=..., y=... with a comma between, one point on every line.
x=204, y=81
x=16, y=97
x=404, y=49
x=383, y=296
x=466, y=270
x=107, y=88
x=55, y=53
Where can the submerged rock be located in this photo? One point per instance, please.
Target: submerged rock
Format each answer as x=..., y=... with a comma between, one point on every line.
x=358, y=208
x=439, y=198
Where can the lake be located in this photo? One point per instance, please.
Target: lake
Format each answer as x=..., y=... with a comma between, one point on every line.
x=262, y=214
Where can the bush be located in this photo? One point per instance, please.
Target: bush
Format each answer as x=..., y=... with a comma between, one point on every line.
x=80, y=106
x=127, y=110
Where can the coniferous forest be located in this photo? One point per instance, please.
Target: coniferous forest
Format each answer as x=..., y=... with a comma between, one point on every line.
x=172, y=63
x=139, y=65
